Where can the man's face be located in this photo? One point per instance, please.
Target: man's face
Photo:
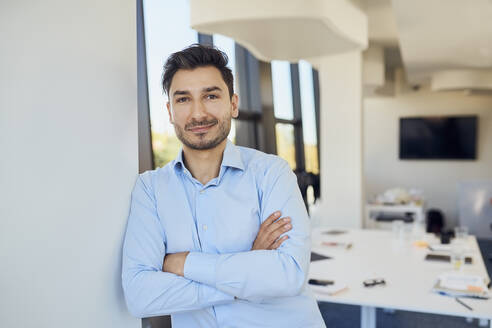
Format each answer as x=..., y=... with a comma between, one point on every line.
x=200, y=107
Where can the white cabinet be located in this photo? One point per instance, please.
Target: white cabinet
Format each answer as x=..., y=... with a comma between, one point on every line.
x=374, y=210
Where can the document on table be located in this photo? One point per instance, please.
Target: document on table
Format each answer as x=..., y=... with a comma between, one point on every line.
x=446, y=248
x=455, y=284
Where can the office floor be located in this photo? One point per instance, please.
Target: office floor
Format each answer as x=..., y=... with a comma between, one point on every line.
x=348, y=316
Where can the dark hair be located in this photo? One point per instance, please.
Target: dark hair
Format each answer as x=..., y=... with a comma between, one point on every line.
x=197, y=55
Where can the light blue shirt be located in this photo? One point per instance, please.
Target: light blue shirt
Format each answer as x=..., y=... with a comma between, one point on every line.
x=225, y=284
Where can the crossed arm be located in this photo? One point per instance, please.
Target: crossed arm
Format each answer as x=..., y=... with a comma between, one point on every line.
x=189, y=281
x=269, y=237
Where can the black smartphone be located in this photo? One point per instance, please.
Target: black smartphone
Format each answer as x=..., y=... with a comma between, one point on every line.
x=444, y=258
x=320, y=282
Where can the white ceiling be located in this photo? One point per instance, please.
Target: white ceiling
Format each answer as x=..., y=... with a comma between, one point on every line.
x=287, y=30
x=429, y=36
x=440, y=35
x=381, y=22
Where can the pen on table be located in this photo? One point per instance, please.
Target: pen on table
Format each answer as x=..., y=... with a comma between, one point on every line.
x=463, y=303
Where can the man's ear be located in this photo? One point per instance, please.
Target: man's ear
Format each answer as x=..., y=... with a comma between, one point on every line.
x=235, y=106
x=169, y=112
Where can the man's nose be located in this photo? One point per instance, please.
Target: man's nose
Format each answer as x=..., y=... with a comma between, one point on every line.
x=198, y=110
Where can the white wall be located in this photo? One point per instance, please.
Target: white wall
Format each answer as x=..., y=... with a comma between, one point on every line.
x=341, y=140
x=68, y=160
x=438, y=179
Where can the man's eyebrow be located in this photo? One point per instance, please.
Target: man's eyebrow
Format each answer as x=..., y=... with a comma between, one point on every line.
x=180, y=92
x=212, y=88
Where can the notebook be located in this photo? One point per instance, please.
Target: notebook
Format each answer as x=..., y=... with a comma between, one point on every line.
x=460, y=285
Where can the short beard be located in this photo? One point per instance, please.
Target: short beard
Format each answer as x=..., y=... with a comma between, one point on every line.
x=224, y=129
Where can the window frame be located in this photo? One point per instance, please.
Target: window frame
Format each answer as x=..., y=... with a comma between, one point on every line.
x=145, y=151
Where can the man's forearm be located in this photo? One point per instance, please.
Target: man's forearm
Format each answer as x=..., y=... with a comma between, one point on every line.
x=283, y=279
x=269, y=237
x=174, y=263
x=153, y=293
x=253, y=275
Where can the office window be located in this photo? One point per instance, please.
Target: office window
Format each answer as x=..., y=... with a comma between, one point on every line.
x=283, y=111
x=295, y=102
x=285, y=143
x=308, y=117
x=166, y=31
x=282, y=90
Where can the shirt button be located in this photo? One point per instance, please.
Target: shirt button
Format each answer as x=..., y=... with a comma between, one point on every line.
x=202, y=191
x=205, y=227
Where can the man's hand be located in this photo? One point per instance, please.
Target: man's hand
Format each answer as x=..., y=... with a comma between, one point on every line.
x=174, y=263
x=267, y=238
x=270, y=231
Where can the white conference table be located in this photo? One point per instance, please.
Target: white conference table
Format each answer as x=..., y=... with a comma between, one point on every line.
x=409, y=278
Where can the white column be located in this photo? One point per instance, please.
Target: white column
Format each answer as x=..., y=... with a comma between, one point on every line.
x=68, y=160
x=341, y=140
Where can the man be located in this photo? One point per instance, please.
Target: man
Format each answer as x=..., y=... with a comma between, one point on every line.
x=200, y=243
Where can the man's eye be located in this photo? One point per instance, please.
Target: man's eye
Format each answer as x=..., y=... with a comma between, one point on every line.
x=181, y=100
x=212, y=97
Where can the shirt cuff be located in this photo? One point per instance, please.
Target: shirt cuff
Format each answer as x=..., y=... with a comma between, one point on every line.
x=200, y=267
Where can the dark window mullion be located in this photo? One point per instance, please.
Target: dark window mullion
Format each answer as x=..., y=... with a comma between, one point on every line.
x=245, y=115
x=247, y=73
x=205, y=39
x=242, y=77
x=254, y=93
x=296, y=105
x=145, y=154
x=266, y=128
x=285, y=121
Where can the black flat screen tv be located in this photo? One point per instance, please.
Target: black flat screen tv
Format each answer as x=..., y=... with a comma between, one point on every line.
x=446, y=137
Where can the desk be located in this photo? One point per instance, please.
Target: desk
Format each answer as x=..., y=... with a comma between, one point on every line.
x=409, y=278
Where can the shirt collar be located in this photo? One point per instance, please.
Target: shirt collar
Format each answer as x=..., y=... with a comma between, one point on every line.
x=231, y=157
